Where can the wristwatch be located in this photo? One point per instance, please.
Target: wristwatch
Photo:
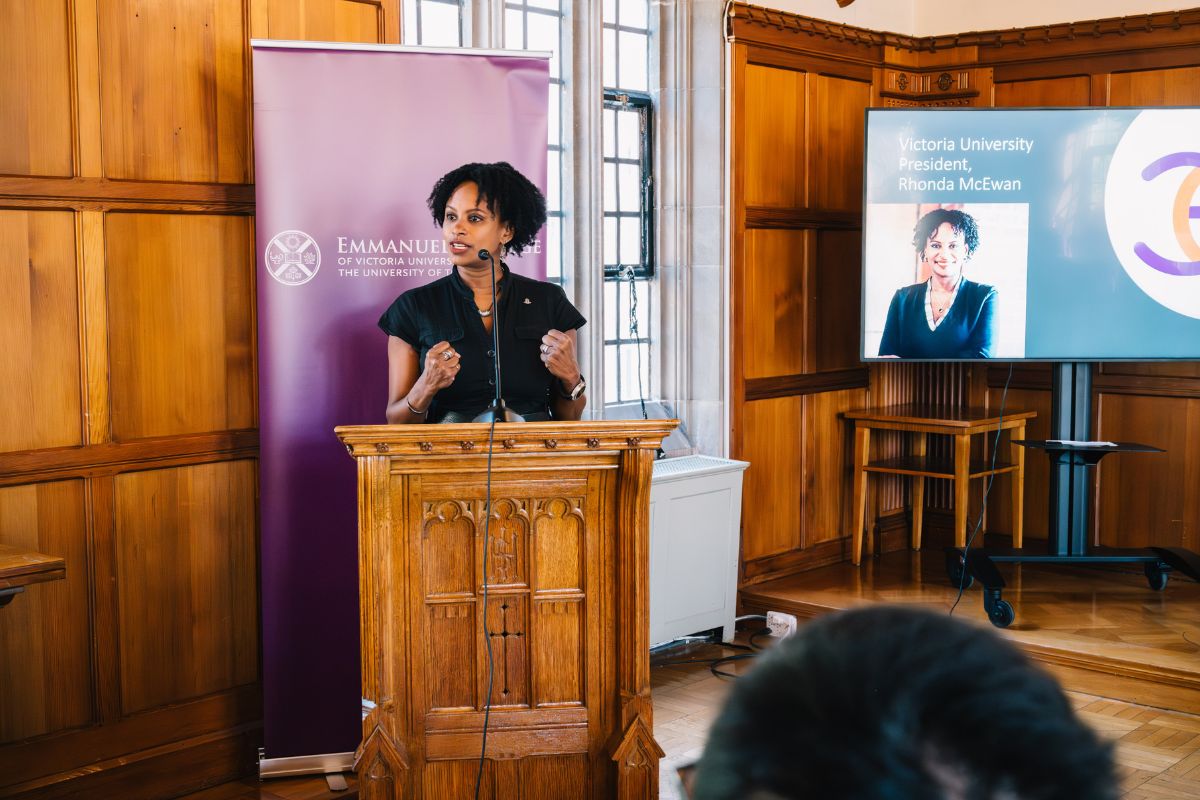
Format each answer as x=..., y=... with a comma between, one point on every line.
x=575, y=392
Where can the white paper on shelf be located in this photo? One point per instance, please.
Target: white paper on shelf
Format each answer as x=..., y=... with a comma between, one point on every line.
x=1081, y=443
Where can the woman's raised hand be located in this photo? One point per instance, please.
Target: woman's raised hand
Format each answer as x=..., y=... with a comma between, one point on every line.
x=558, y=354
x=441, y=366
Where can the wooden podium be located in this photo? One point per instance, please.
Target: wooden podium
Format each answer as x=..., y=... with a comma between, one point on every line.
x=567, y=609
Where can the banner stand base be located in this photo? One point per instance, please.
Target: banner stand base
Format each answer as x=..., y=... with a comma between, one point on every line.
x=320, y=764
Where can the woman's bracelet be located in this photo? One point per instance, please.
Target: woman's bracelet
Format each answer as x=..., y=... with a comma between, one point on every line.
x=413, y=408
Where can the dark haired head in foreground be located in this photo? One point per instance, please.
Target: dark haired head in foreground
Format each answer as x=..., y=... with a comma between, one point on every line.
x=890, y=703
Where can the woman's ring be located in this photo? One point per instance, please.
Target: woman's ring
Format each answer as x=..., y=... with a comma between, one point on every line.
x=447, y=355
x=545, y=348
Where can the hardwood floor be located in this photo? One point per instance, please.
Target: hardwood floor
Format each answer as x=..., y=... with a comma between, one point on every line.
x=1130, y=655
x=1101, y=631
x=307, y=787
x=1158, y=751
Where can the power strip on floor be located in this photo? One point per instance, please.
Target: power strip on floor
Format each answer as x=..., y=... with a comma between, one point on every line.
x=782, y=625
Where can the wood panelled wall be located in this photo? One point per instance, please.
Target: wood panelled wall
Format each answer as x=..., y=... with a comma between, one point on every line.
x=128, y=415
x=798, y=91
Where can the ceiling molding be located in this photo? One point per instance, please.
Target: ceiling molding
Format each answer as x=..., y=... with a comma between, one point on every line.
x=745, y=19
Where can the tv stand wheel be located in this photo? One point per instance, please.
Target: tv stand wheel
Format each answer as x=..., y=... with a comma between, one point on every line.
x=1000, y=613
x=956, y=571
x=1157, y=575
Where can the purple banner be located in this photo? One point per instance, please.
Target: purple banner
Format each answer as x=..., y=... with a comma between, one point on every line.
x=348, y=142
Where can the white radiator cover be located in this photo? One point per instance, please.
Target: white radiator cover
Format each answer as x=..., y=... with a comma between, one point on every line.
x=695, y=517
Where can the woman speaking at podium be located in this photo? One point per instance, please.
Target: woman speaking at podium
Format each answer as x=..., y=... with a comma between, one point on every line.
x=441, y=358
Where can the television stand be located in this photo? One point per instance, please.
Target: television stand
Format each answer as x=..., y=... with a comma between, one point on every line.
x=1071, y=454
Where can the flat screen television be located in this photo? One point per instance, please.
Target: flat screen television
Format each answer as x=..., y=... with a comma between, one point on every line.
x=1044, y=234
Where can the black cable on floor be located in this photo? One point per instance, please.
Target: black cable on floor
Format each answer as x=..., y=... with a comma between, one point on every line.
x=962, y=578
x=751, y=650
x=740, y=657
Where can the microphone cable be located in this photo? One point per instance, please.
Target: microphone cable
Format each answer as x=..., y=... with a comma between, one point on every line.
x=487, y=525
x=962, y=577
x=487, y=639
x=636, y=334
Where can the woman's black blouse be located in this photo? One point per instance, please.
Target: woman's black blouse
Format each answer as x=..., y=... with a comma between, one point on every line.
x=445, y=310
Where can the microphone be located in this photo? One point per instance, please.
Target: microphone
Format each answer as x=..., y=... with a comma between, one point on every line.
x=497, y=411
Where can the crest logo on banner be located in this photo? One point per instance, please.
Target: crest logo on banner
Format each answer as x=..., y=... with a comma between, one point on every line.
x=293, y=258
x=1151, y=207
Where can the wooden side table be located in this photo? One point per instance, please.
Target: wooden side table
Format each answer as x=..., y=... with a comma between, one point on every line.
x=922, y=420
x=19, y=568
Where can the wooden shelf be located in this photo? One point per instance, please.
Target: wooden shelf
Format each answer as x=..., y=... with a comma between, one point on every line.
x=935, y=467
x=19, y=568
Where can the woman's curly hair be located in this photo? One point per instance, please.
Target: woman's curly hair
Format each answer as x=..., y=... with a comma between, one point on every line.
x=510, y=195
x=960, y=222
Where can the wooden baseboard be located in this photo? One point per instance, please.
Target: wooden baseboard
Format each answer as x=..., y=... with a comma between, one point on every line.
x=891, y=532
x=783, y=564
x=167, y=771
x=894, y=530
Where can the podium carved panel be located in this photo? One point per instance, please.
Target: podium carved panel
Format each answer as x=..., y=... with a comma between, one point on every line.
x=535, y=566
x=547, y=586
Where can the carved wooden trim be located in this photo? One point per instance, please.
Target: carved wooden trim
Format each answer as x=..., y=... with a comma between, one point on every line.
x=440, y=440
x=637, y=753
x=922, y=98
x=811, y=383
x=1093, y=29
x=745, y=20
x=384, y=764
x=637, y=757
x=940, y=82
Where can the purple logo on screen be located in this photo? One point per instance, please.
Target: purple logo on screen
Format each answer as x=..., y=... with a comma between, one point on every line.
x=1152, y=206
x=292, y=258
x=1183, y=212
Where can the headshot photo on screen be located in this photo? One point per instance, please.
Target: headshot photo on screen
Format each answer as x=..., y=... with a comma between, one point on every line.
x=945, y=280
